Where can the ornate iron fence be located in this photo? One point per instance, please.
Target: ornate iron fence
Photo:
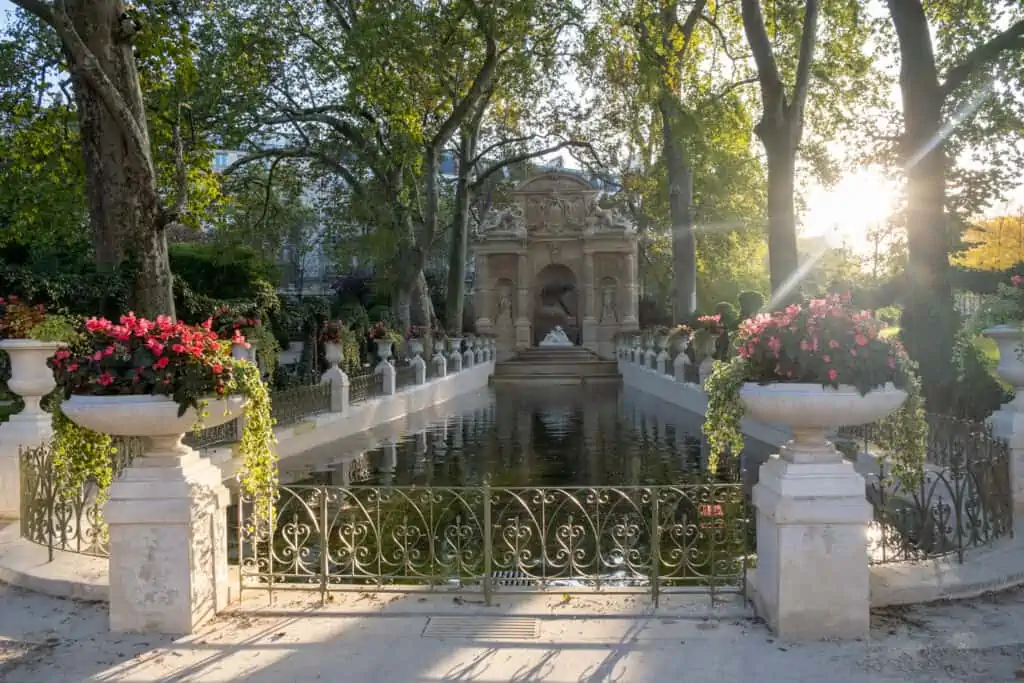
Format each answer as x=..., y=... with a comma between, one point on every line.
x=63, y=521
x=405, y=375
x=649, y=539
x=363, y=387
x=291, y=405
x=213, y=436
x=963, y=501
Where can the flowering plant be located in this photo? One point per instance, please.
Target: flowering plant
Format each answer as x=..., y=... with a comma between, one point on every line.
x=137, y=356
x=711, y=323
x=234, y=326
x=333, y=332
x=21, y=320
x=824, y=342
x=381, y=331
x=417, y=332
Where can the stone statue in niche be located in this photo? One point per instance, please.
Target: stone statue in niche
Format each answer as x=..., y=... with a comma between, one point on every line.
x=608, y=312
x=556, y=337
x=504, y=304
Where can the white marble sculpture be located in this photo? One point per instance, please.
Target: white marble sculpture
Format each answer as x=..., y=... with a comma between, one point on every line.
x=556, y=337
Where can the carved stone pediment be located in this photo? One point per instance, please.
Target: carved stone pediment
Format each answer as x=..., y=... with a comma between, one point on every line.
x=554, y=205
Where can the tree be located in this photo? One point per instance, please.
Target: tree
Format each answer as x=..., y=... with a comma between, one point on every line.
x=376, y=94
x=127, y=213
x=132, y=91
x=975, y=54
x=995, y=243
x=696, y=171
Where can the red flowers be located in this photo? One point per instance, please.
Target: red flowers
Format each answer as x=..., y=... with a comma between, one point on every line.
x=822, y=342
x=140, y=356
x=1017, y=280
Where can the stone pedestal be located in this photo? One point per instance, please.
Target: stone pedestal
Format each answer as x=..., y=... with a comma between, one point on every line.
x=386, y=372
x=812, y=566
x=1008, y=423
x=339, y=382
x=168, y=543
x=679, y=366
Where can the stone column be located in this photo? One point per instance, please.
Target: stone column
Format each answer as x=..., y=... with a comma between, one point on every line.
x=482, y=297
x=168, y=542
x=523, y=331
x=629, y=318
x=339, y=382
x=812, y=520
x=589, y=308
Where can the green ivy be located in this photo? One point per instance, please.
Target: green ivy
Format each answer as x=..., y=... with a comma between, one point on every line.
x=80, y=455
x=725, y=409
x=258, y=477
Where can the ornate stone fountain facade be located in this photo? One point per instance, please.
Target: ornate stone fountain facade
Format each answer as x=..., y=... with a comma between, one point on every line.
x=552, y=257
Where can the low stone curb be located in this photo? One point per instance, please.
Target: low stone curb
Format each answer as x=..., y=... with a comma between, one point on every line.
x=70, y=575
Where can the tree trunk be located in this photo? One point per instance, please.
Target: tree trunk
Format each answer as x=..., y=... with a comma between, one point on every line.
x=125, y=208
x=929, y=319
x=783, y=259
x=459, y=253
x=423, y=306
x=680, y=197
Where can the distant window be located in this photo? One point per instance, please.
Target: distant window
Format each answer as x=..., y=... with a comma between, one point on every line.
x=220, y=161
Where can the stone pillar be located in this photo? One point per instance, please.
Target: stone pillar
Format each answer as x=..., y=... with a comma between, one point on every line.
x=419, y=367
x=168, y=542
x=523, y=332
x=812, y=575
x=455, y=359
x=482, y=296
x=629, y=318
x=468, y=356
x=440, y=363
x=339, y=382
x=386, y=372
x=589, y=307
x=1008, y=423
x=679, y=366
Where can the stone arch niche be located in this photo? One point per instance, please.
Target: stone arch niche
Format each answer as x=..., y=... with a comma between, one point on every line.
x=556, y=302
x=554, y=230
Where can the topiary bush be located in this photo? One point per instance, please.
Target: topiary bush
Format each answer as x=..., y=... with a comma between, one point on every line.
x=751, y=303
x=727, y=314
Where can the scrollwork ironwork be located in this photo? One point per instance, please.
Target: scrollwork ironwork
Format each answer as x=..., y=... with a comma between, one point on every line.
x=653, y=538
x=963, y=501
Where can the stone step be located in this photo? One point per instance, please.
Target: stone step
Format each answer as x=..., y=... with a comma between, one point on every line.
x=592, y=369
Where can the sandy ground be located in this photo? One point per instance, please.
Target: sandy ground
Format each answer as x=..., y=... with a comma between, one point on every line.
x=391, y=639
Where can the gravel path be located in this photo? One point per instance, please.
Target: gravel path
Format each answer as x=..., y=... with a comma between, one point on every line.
x=369, y=638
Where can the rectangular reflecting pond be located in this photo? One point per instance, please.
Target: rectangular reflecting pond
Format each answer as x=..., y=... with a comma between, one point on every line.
x=530, y=436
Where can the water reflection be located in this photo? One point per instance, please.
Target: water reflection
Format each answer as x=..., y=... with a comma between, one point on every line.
x=551, y=436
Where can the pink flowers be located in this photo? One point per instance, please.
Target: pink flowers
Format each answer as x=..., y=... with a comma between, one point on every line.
x=823, y=341
x=1017, y=280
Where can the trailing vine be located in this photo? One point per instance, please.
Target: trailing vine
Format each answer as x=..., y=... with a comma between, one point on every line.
x=258, y=477
x=725, y=410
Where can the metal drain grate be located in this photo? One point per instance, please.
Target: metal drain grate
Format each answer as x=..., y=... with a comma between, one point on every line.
x=483, y=628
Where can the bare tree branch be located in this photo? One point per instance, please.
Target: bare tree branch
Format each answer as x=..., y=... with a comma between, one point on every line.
x=180, y=173
x=690, y=23
x=501, y=143
x=519, y=158
x=1010, y=39
x=299, y=153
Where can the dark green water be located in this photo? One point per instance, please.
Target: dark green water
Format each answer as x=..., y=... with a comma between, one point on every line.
x=551, y=436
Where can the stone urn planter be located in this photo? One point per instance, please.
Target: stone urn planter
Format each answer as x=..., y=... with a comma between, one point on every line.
x=154, y=418
x=455, y=344
x=415, y=347
x=811, y=411
x=383, y=349
x=334, y=354
x=31, y=378
x=1010, y=339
